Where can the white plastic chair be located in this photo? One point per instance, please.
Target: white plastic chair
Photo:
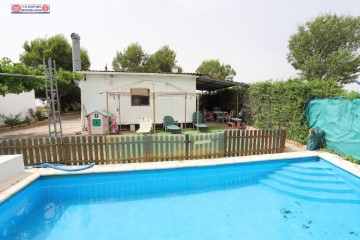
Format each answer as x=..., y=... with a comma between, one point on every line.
x=145, y=125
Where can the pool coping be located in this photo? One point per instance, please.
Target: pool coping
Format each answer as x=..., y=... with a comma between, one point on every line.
x=35, y=173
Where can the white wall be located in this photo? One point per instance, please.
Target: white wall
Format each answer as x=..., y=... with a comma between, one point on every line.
x=17, y=103
x=93, y=95
x=11, y=170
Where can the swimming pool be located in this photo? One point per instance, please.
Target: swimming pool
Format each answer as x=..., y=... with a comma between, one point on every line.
x=302, y=198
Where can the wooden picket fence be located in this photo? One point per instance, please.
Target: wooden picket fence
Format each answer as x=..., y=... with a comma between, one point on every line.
x=254, y=142
x=109, y=149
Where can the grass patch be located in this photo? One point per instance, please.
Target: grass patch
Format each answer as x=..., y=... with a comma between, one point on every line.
x=192, y=131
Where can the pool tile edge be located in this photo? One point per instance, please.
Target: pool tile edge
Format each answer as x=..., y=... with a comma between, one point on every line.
x=338, y=161
x=7, y=193
x=176, y=164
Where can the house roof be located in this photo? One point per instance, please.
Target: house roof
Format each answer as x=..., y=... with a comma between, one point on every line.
x=203, y=82
x=101, y=112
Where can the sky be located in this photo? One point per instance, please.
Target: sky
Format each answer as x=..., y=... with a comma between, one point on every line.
x=252, y=36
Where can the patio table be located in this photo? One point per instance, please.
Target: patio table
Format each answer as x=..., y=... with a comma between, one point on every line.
x=237, y=121
x=220, y=115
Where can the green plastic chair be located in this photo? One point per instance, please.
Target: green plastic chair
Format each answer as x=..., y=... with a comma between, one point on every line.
x=202, y=125
x=171, y=125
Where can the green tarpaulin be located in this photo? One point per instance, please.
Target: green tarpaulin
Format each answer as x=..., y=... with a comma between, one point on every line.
x=340, y=119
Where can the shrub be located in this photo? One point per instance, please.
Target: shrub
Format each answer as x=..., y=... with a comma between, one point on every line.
x=39, y=115
x=32, y=113
x=11, y=120
x=26, y=120
x=282, y=104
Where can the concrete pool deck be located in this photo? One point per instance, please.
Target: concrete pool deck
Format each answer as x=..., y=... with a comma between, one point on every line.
x=34, y=173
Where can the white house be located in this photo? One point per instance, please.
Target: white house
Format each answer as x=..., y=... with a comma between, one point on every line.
x=17, y=103
x=130, y=96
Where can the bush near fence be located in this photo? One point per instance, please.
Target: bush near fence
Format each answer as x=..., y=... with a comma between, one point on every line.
x=274, y=104
x=110, y=149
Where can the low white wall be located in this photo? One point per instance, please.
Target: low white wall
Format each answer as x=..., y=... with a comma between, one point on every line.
x=11, y=170
x=17, y=103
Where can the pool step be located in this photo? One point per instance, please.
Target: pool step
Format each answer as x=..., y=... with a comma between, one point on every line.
x=310, y=168
x=333, y=197
x=314, y=186
x=311, y=164
x=309, y=181
x=307, y=172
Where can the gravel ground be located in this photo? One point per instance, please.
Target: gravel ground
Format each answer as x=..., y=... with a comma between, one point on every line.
x=71, y=124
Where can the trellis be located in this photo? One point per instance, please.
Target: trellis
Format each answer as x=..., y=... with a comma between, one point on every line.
x=154, y=95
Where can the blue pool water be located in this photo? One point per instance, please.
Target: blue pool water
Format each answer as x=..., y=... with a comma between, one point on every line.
x=291, y=199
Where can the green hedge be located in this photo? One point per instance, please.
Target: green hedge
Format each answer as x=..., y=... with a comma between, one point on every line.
x=273, y=104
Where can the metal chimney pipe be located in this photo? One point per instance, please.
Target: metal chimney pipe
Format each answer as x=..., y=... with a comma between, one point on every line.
x=76, y=52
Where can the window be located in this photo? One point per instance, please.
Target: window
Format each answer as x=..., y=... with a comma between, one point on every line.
x=140, y=96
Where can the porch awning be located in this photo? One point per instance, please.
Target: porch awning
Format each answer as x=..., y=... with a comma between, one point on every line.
x=207, y=83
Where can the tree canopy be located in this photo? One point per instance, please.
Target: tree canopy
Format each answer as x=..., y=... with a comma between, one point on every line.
x=214, y=68
x=135, y=59
x=57, y=48
x=132, y=59
x=161, y=61
x=327, y=48
x=16, y=84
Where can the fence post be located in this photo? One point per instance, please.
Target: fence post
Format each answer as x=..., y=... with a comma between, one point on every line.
x=105, y=148
x=64, y=145
x=187, y=146
x=225, y=143
x=106, y=143
x=147, y=148
x=5, y=145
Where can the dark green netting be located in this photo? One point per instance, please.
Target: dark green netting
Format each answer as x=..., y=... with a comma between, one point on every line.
x=316, y=139
x=340, y=120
